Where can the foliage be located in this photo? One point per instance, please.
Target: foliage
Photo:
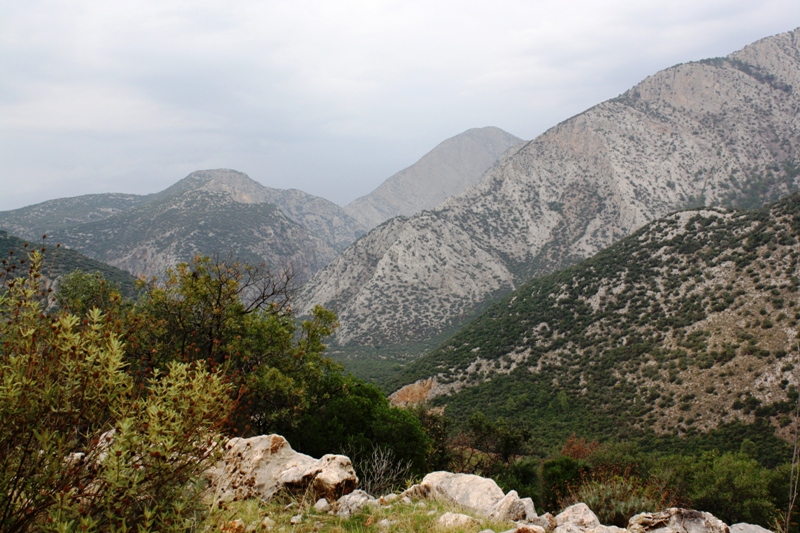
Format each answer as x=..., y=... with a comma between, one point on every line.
x=616, y=495
x=81, y=447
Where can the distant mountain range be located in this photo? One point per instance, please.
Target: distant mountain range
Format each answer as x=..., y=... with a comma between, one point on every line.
x=721, y=131
x=689, y=324
x=223, y=211
x=448, y=170
x=208, y=212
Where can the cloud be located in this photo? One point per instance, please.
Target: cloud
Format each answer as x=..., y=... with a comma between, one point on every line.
x=328, y=97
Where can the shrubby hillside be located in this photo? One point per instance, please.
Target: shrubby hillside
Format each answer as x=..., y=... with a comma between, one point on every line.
x=688, y=325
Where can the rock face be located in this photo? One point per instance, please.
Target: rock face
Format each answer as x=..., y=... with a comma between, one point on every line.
x=676, y=520
x=447, y=170
x=259, y=467
x=473, y=493
x=721, y=131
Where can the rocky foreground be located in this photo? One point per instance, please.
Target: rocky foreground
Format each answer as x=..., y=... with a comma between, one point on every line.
x=265, y=467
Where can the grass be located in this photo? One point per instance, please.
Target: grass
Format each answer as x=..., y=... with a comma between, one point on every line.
x=404, y=517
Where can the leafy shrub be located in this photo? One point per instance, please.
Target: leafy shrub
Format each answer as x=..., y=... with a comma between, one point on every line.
x=82, y=447
x=616, y=495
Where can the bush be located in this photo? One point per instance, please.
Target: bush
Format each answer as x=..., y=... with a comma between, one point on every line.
x=82, y=446
x=615, y=496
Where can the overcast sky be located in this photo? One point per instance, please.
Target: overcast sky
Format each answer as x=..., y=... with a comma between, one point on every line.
x=331, y=96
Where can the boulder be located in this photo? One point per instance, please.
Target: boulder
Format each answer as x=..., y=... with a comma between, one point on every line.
x=322, y=506
x=455, y=520
x=474, y=493
x=512, y=508
x=748, y=528
x=675, y=520
x=576, y=517
x=353, y=503
x=546, y=522
x=259, y=467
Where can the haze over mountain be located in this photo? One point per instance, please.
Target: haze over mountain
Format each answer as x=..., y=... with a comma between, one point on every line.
x=721, y=131
x=689, y=323
x=448, y=170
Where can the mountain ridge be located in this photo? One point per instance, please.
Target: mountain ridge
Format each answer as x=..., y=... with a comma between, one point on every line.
x=447, y=170
x=722, y=131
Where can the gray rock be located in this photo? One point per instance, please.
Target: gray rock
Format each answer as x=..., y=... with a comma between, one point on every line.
x=322, y=506
x=675, y=520
x=578, y=515
x=261, y=466
x=455, y=520
x=353, y=503
x=473, y=493
x=742, y=527
x=296, y=519
x=546, y=522
x=511, y=508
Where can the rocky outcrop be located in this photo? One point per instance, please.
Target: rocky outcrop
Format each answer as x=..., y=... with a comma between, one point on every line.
x=721, y=131
x=474, y=493
x=675, y=520
x=259, y=467
x=449, y=169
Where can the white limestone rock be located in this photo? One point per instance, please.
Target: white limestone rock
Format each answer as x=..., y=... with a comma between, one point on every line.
x=259, y=467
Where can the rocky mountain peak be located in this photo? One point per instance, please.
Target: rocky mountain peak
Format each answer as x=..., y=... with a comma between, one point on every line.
x=448, y=170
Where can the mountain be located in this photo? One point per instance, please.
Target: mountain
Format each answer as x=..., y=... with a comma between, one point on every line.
x=36, y=220
x=59, y=260
x=688, y=325
x=448, y=170
x=208, y=212
x=716, y=132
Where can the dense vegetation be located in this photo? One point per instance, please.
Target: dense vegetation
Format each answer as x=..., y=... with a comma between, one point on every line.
x=124, y=402
x=61, y=261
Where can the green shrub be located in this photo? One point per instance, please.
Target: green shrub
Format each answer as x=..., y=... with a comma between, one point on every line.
x=83, y=447
x=615, y=495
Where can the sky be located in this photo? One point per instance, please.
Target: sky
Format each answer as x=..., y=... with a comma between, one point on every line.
x=330, y=97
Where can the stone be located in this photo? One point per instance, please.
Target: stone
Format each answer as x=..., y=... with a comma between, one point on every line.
x=353, y=503
x=473, y=493
x=322, y=506
x=384, y=524
x=259, y=467
x=454, y=520
x=742, y=527
x=676, y=520
x=296, y=519
x=546, y=522
x=606, y=529
x=528, y=528
x=389, y=499
x=579, y=516
x=267, y=524
x=511, y=508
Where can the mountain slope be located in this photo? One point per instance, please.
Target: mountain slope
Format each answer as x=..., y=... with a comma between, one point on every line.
x=688, y=324
x=60, y=261
x=36, y=220
x=208, y=212
x=449, y=169
x=722, y=131
x=321, y=217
